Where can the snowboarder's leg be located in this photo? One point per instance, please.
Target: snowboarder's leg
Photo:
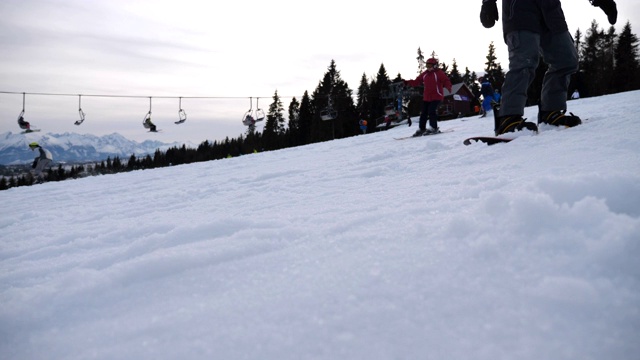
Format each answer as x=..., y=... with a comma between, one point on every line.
x=559, y=52
x=524, y=54
x=523, y=60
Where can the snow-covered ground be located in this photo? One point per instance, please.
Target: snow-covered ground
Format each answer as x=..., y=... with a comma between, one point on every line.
x=362, y=248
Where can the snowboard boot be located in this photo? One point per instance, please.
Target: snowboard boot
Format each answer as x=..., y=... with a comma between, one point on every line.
x=431, y=131
x=558, y=118
x=513, y=123
x=419, y=132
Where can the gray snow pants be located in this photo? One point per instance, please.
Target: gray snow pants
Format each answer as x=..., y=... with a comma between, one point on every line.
x=40, y=166
x=525, y=49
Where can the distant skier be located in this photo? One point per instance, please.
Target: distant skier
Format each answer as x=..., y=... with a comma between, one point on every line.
x=575, y=95
x=363, y=125
x=40, y=162
x=531, y=29
x=487, y=95
x=434, y=81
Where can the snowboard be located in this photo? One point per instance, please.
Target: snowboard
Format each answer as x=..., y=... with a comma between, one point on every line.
x=30, y=131
x=411, y=136
x=489, y=140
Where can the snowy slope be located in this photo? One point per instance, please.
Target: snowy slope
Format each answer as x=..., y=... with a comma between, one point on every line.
x=362, y=248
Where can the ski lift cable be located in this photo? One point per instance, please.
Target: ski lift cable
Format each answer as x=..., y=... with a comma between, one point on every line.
x=139, y=96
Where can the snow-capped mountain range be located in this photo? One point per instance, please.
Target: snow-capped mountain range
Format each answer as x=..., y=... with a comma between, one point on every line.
x=72, y=147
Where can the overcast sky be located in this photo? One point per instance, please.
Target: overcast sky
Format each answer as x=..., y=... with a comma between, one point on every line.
x=234, y=51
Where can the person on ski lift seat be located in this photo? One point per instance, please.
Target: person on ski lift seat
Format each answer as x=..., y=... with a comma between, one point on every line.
x=249, y=120
x=24, y=125
x=40, y=162
x=149, y=125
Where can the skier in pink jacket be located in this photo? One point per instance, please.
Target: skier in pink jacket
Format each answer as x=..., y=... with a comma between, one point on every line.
x=434, y=81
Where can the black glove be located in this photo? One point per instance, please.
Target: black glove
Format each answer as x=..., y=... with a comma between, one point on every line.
x=489, y=13
x=609, y=8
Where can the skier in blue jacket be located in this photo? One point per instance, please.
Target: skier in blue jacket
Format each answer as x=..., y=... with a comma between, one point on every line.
x=487, y=95
x=533, y=28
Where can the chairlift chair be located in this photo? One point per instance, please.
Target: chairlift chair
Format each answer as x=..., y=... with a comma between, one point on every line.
x=251, y=117
x=328, y=114
x=182, y=115
x=146, y=122
x=80, y=112
x=24, y=125
x=259, y=112
x=248, y=119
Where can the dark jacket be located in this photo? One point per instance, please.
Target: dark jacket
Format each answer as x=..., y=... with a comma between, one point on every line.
x=539, y=16
x=486, y=89
x=44, y=154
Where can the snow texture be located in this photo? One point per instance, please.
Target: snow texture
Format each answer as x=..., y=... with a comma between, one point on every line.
x=361, y=248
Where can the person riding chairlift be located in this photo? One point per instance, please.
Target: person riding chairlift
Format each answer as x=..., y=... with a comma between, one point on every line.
x=149, y=125
x=24, y=125
x=249, y=120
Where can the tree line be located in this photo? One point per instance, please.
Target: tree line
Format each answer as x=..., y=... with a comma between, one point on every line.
x=609, y=63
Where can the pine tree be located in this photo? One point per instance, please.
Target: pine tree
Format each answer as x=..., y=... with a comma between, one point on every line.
x=454, y=75
x=493, y=70
x=626, y=74
x=362, y=101
x=471, y=79
x=306, y=119
x=422, y=65
x=132, y=163
x=274, y=127
x=577, y=41
x=378, y=87
x=333, y=95
x=294, y=123
x=594, y=62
